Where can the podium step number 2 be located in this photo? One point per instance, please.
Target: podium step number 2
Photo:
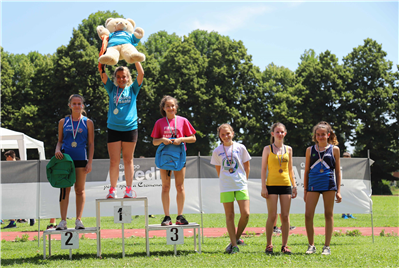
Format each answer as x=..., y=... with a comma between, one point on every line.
x=122, y=214
x=70, y=240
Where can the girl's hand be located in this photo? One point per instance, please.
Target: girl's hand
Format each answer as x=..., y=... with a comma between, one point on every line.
x=177, y=141
x=59, y=155
x=264, y=193
x=167, y=141
x=339, y=197
x=304, y=195
x=88, y=168
x=294, y=192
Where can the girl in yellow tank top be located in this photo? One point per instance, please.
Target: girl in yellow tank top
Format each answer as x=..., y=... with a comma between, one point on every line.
x=277, y=177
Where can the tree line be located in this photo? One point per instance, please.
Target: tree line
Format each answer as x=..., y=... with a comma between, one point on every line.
x=215, y=81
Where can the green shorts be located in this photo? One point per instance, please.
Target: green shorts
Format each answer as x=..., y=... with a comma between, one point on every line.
x=227, y=197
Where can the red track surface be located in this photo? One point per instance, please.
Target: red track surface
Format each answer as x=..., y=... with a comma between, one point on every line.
x=208, y=232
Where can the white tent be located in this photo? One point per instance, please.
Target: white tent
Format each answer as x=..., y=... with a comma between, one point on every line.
x=10, y=139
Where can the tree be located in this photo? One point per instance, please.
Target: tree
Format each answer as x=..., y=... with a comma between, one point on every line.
x=375, y=104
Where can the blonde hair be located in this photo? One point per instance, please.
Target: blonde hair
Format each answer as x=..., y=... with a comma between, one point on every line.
x=332, y=139
x=129, y=76
x=272, y=130
x=225, y=125
x=163, y=101
x=82, y=99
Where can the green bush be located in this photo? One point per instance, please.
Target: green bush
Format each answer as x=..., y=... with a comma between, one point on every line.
x=381, y=188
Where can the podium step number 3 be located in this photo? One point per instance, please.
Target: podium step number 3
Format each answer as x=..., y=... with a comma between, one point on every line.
x=175, y=236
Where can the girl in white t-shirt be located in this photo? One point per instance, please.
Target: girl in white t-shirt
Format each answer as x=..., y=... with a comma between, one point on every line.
x=231, y=160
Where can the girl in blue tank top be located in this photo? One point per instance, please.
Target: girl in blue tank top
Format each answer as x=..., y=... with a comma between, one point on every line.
x=322, y=165
x=75, y=134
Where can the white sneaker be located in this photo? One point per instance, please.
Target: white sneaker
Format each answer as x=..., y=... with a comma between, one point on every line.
x=326, y=251
x=79, y=224
x=111, y=194
x=62, y=225
x=311, y=249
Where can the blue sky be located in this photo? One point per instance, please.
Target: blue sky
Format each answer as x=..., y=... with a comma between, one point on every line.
x=277, y=32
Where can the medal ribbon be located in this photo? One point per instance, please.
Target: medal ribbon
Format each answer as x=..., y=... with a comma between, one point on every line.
x=321, y=159
x=282, y=155
x=230, y=162
x=74, y=133
x=118, y=97
x=175, y=134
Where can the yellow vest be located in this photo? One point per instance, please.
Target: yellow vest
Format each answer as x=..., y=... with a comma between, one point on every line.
x=275, y=178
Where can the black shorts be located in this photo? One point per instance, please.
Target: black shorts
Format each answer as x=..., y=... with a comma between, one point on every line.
x=126, y=136
x=80, y=163
x=169, y=171
x=279, y=190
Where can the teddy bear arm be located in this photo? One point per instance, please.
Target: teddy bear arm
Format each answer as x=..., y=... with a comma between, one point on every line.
x=102, y=31
x=139, y=33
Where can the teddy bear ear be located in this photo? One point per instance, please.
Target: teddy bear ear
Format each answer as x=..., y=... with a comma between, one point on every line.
x=132, y=22
x=108, y=20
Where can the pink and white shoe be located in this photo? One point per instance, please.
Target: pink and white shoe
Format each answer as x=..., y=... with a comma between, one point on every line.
x=112, y=193
x=129, y=193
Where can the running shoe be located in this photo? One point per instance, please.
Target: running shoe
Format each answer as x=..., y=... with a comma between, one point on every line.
x=234, y=250
x=228, y=248
x=111, y=193
x=166, y=221
x=269, y=249
x=350, y=216
x=51, y=226
x=276, y=230
x=311, y=249
x=292, y=228
x=12, y=224
x=326, y=251
x=32, y=222
x=285, y=250
x=344, y=216
x=180, y=220
x=62, y=225
x=240, y=242
x=79, y=224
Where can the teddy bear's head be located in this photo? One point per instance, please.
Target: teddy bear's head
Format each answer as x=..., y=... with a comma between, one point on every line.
x=120, y=24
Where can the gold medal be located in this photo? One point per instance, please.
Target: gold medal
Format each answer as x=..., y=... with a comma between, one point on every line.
x=74, y=144
x=231, y=170
x=321, y=170
x=280, y=170
x=116, y=111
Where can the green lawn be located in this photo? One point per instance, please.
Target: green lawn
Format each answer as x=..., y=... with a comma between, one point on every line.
x=385, y=209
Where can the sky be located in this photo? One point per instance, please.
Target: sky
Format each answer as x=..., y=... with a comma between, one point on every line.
x=272, y=32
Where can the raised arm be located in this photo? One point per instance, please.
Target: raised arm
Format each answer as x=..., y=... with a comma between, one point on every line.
x=104, y=76
x=140, y=73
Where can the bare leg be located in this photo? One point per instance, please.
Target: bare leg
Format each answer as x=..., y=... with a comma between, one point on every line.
x=127, y=155
x=244, y=211
x=181, y=195
x=271, y=216
x=311, y=202
x=80, y=191
x=285, y=201
x=64, y=203
x=114, y=151
x=165, y=191
x=231, y=228
x=328, y=198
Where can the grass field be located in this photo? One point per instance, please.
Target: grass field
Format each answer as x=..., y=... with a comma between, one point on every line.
x=347, y=251
x=385, y=211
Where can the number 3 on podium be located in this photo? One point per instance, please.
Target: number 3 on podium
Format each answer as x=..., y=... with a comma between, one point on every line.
x=175, y=236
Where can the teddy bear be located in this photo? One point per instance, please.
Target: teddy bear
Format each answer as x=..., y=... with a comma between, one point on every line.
x=123, y=39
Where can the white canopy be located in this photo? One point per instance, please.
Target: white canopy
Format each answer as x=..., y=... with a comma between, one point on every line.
x=10, y=139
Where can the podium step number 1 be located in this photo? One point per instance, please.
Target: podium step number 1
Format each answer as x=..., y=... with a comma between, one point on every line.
x=122, y=214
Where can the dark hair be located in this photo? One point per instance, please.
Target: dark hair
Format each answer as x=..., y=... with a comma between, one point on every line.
x=77, y=96
x=346, y=155
x=162, y=104
x=272, y=130
x=225, y=125
x=332, y=139
x=123, y=68
x=10, y=153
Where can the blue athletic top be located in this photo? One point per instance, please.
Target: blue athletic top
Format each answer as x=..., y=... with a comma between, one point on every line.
x=78, y=152
x=321, y=174
x=122, y=37
x=126, y=118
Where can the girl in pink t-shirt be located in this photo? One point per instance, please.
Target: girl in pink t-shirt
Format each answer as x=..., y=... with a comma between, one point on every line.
x=172, y=129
